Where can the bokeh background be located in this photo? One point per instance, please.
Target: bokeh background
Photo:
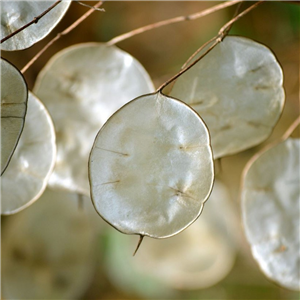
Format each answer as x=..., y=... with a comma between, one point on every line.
x=162, y=52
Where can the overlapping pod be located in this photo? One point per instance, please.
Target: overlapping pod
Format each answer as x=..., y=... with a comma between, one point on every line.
x=27, y=175
x=151, y=167
x=271, y=209
x=16, y=14
x=48, y=250
x=197, y=258
x=82, y=86
x=237, y=90
x=14, y=96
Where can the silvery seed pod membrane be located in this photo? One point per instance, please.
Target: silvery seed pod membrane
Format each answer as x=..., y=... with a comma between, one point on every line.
x=271, y=209
x=237, y=89
x=151, y=167
x=82, y=86
x=14, y=94
x=16, y=14
x=198, y=258
x=49, y=249
x=26, y=177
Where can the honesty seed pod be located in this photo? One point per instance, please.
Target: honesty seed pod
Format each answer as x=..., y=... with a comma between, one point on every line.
x=15, y=14
x=14, y=95
x=198, y=258
x=82, y=86
x=151, y=167
x=48, y=250
x=26, y=177
x=237, y=89
x=271, y=208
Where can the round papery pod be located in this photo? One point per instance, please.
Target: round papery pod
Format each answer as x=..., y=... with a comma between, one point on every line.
x=14, y=94
x=82, y=86
x=237, y=89
x=151, y=167
x=26, y=177
x=48, y=250
x=271, y=209
x=16, y=14
x=197, y=258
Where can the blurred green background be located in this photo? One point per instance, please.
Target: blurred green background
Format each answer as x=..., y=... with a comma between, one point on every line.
x=162, y=52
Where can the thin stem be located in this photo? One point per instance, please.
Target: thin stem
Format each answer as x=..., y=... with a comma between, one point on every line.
x=59, y=35
x=34, y=21
x=218, y=38
x=197, y=51
x=200, y=49
x=223, y=30
x=194, y=16
x=192, y=64
x=90, y=6
x=292, y=127
x=235, y=14
x=139, y=244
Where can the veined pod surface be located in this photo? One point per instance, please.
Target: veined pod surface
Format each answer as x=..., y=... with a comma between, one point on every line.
x=16, y=14
x=237, y=89
x=151, y=167
x=271, y=209
x=82, y=86
x=14, y=95
x=26, y=177
x=198, y=258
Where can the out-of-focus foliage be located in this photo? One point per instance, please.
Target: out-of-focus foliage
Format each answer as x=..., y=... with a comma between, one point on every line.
x=49, y=249
x=162, y=52
x=197, y=258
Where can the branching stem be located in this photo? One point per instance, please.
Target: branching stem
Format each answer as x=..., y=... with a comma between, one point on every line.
x=89, y=6
x=59, y=35
x=194, y=16
x=228, y=24
x=34, y=21
x=215, y=40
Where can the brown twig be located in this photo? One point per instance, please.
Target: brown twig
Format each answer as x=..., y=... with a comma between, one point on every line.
x=192, y=64
x=59, y=35
x=292, y=127
x=200, y=49
x=223, y=30
x=34, y=21
x=235, y=14
x=90, y=6
x=217, y=39
x=194, y=16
